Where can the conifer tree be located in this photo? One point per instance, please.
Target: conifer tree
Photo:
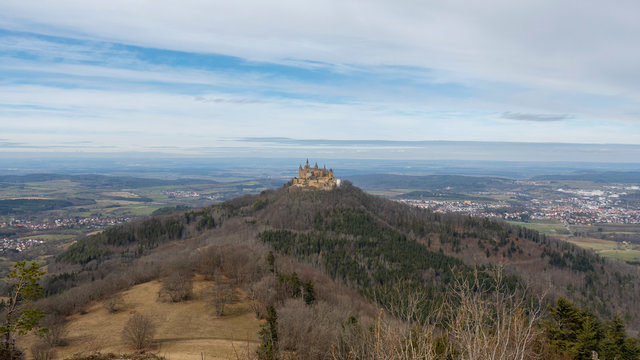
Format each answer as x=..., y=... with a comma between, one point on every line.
x=295, y=284
x=268, y=349
x=613, y=343
x=271, y=261
x=309, y=294
x=19, y=318
x=564, y=325
x=586, y=340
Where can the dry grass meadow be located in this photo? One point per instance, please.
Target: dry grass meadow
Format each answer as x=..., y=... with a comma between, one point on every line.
x=185, y=330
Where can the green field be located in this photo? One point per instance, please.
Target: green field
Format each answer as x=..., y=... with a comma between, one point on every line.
x=549, y=228
x=51, y=237
x=609, y=249
x=605, y=244
x=622, y=255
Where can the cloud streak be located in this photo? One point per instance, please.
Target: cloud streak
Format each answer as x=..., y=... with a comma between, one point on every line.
x=535, y=117
x=4, y=143
x=205, y=100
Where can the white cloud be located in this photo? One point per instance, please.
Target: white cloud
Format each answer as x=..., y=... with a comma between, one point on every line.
x=569, y=45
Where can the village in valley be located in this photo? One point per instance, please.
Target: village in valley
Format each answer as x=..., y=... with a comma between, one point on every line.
x=36, y=229
x=581, y=207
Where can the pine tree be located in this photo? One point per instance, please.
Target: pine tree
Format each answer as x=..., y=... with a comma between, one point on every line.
x=309, y=294
x=564, y=325
x=294, y=283
x=631, y=349
x=586, y=340
x=268, y=349
x=271, y=261
x=19, y=317
x=612, y=346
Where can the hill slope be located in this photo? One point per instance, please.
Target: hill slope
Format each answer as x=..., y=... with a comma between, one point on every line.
x=369, y=242
x=354, y=249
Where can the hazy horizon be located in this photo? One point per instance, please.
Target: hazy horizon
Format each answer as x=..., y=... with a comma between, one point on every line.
x=232, y=168
x=280, y=148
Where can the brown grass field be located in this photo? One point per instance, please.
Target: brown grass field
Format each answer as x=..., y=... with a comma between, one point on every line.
x=185, y=330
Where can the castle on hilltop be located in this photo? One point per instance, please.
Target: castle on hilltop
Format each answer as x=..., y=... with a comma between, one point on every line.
x=315, y=177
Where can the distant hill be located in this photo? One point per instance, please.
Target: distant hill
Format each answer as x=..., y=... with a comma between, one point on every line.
x=100, y=181
x=30, y=206
x=453, y=183
x=603, y=177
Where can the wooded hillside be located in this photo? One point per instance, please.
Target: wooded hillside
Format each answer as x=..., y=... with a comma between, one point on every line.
x=333, y=254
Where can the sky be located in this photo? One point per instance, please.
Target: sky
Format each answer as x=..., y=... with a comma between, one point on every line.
x=374, y=78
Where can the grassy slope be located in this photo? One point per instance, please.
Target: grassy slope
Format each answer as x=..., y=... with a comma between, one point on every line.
x=185, y=329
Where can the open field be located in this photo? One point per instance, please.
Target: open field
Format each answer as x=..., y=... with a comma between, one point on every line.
x=609, y=249
x=52, y=237
x=605, y=245
x=184, y=330
x=549, y=228
x=630, y=256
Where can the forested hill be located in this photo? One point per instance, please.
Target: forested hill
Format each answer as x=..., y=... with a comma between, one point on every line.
x=358, y=228
x=629, y=177
x=373, y=244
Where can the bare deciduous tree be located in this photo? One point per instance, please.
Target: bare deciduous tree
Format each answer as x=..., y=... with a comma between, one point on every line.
x=42, y=351
x=223, y=294
x=177, y=287
x=57, y=330
x=139, y=331
x=485, y=320
x=387, y=339
x=262, y=294
x=491, y=322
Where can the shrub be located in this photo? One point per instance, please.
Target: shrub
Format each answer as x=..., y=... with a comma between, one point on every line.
x=42, y=351
x=113, y=303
